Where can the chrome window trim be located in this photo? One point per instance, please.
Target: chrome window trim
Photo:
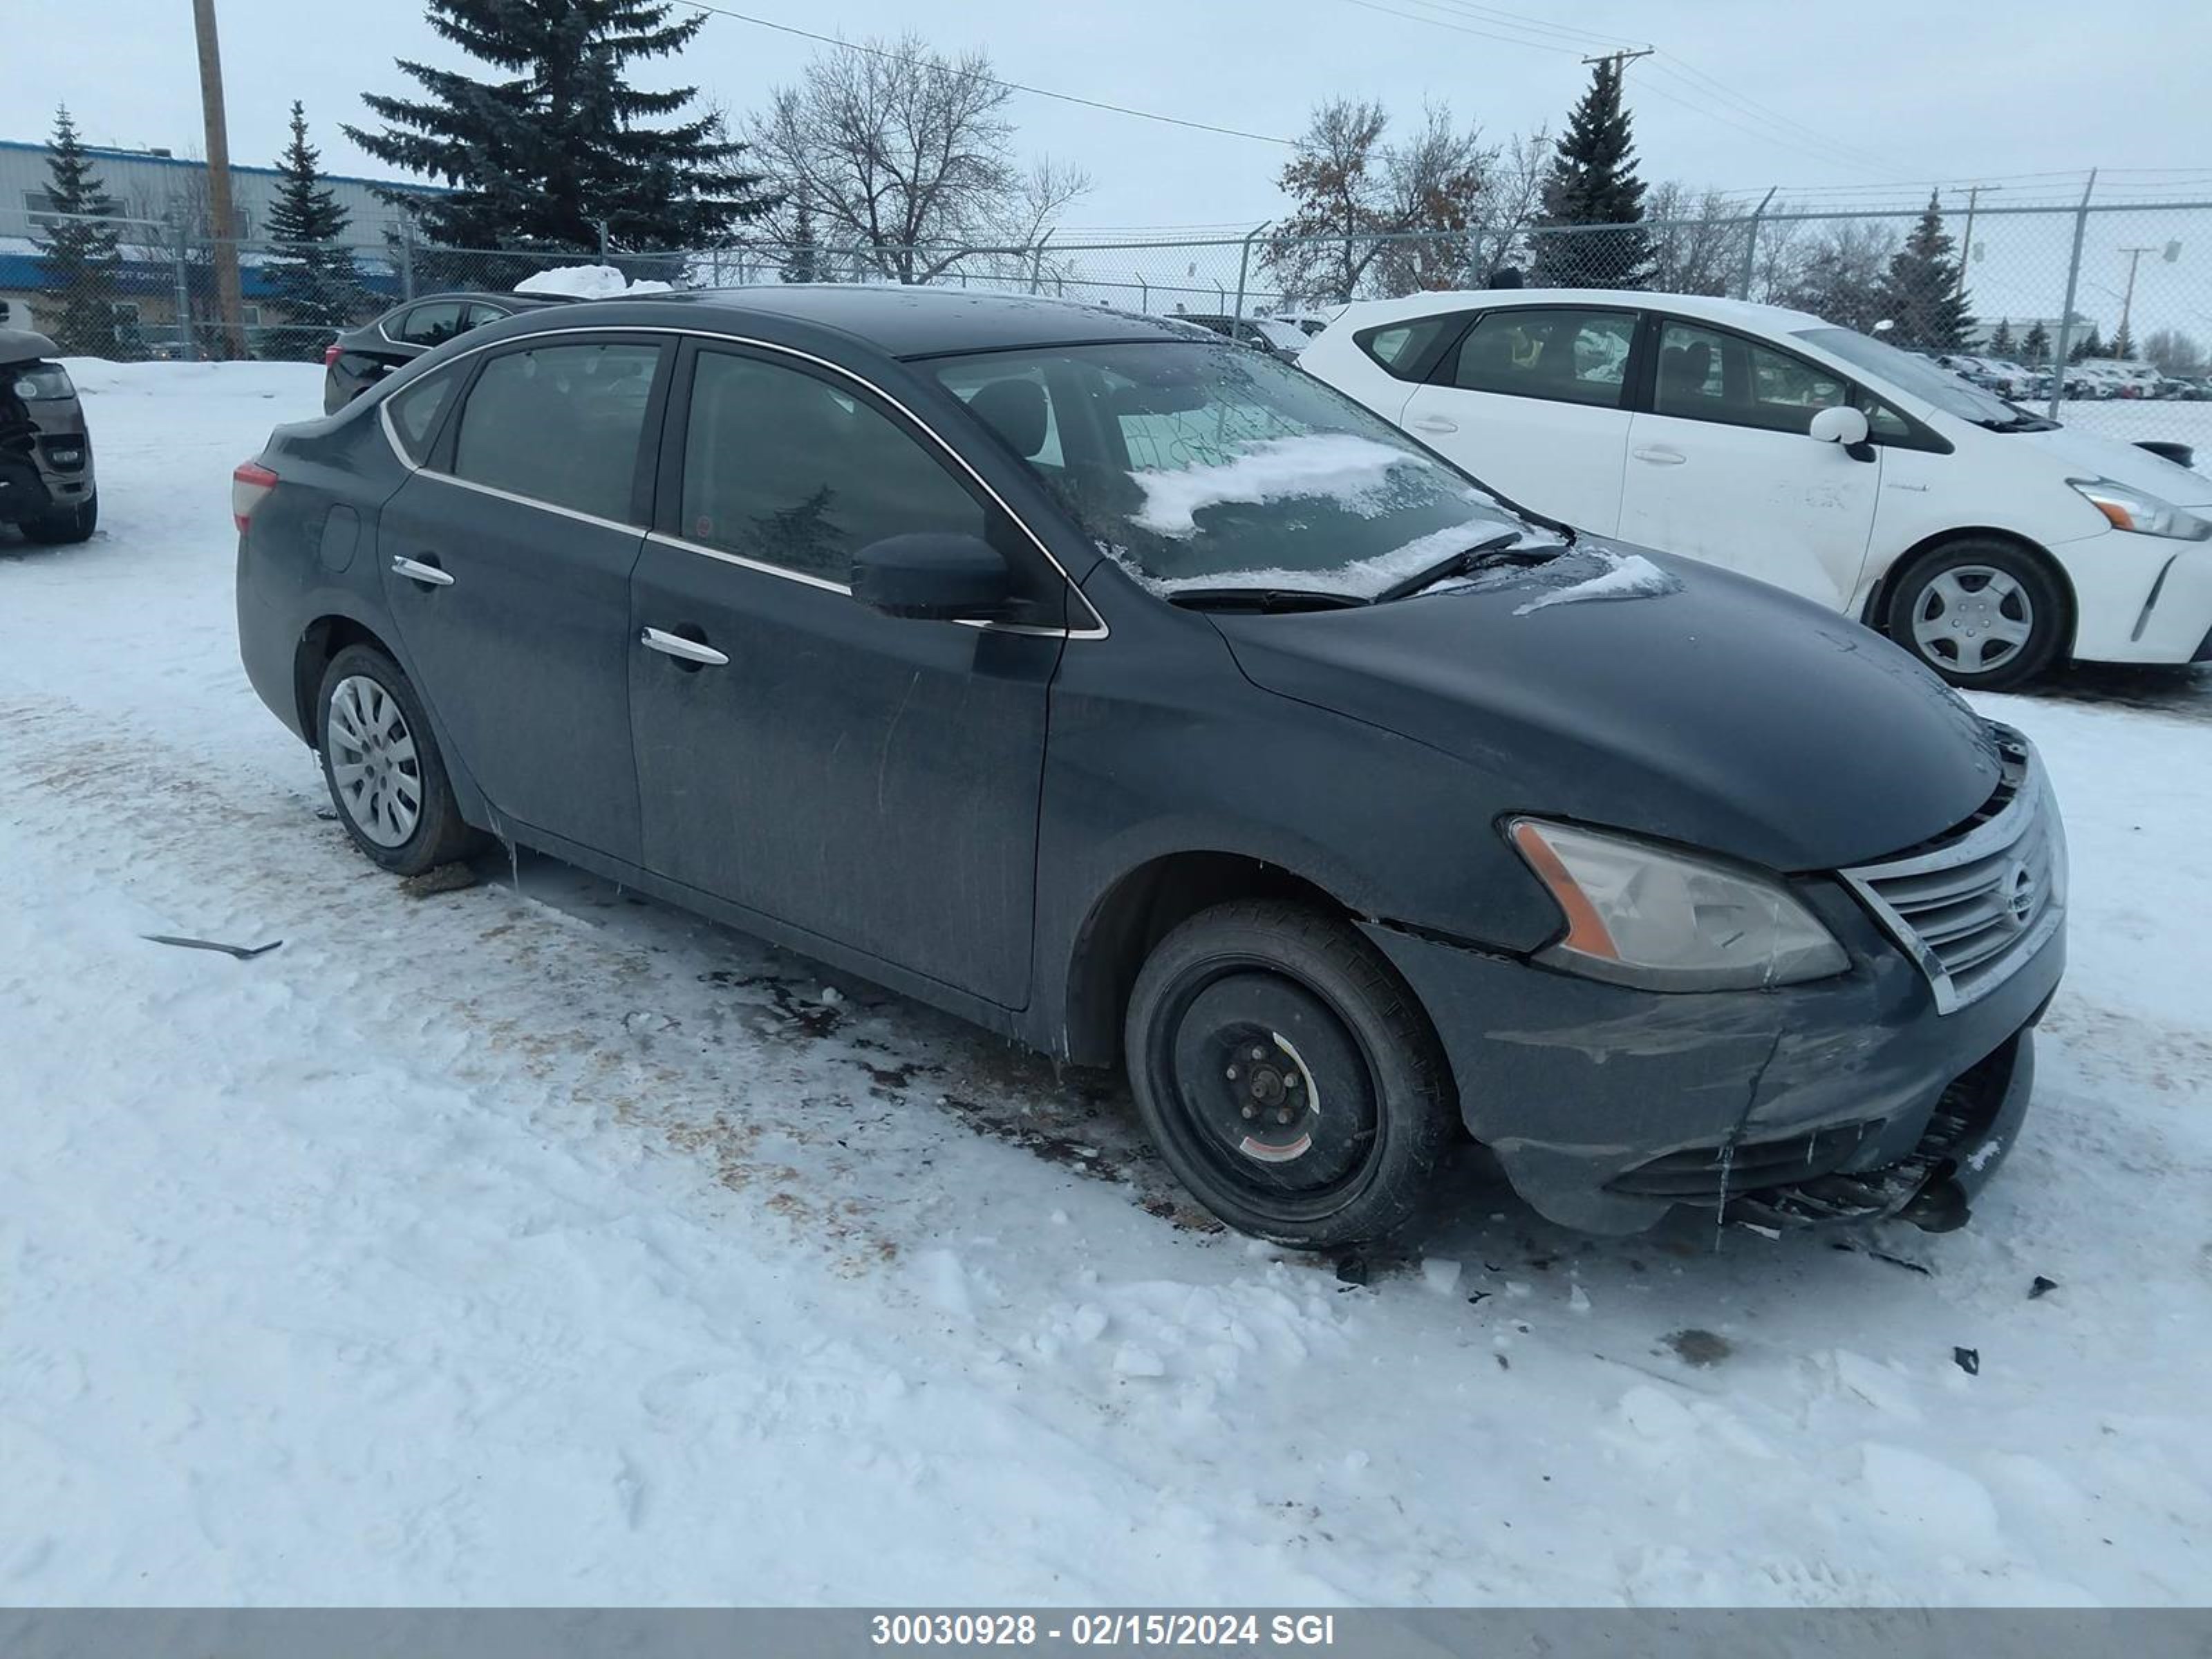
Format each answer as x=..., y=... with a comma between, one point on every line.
x=1097, y=629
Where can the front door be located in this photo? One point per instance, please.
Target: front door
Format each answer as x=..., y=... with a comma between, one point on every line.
x=1533, y=402
x=506, y=564
x=873, y=780
x=1722, y=469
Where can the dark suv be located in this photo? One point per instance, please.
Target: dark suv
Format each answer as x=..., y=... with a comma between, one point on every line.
x=361, y=356
x=47, y=482
x=1141, y=697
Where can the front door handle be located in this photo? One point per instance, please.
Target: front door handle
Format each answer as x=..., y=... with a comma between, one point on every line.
x=415, y=571
x=675, y=645
x=1660, y=455
x=1432, y=423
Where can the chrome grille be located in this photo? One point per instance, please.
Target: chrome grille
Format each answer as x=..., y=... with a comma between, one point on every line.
x=1972, y=906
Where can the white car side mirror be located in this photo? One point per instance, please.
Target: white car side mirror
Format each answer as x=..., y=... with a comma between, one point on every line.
x=1839, y=425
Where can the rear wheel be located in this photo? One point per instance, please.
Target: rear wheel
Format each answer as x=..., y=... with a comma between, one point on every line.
x=1983, y=614
x=62, y=524
x=1287, y=1075
x=382, y=766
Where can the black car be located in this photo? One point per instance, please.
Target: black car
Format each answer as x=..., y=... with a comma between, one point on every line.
x=46, y=484
x=359, y=357
x=1140, y=697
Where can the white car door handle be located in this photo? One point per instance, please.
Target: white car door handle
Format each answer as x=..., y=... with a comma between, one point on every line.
x=1432, y=423
x=1659, y=455
x=675, y=645
x=415, y=571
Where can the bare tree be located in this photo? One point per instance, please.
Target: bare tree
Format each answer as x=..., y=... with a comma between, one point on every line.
x=903, y=158
x=1512, y=197
x=2172, y=352
x=1697, y=239
x=1835, y=273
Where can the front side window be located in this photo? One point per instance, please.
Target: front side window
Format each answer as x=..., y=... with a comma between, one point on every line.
x=415, y=411
x=1707, y=375
x=798, y=473
x=1564, y=356
x=560, y=424
x=1916, y=377
x=1204, y=465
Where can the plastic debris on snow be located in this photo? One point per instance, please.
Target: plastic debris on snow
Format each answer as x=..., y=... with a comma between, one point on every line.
x=588, y=282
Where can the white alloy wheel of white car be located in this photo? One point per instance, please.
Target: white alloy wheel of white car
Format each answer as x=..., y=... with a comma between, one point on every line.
x=1987, y=540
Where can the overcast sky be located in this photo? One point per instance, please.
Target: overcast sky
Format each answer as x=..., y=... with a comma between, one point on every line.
x=1872, y=96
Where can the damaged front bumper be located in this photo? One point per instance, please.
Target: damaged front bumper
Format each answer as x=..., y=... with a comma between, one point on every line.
x=1845, y=1099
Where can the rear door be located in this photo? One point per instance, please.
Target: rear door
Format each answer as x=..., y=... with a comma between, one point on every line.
x=873, y=780
x=506, y=563
x=1720, y=468
x=1533, y=402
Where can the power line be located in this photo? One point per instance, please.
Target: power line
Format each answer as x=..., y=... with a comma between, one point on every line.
x=993, y=80
x=1461, y=28
x=1689, y=74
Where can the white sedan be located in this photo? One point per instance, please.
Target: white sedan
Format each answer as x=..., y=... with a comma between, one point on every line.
x=1990, y=542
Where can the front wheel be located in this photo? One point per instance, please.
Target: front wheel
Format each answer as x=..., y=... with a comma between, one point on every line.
x=382, y=766
x=1287, y=1075
x=1985, y=615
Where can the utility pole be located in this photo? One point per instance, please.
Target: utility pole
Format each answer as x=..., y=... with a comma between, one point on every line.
x=2127, y=303
x=230, y=298
x=1967, y=243
x=1624, y=58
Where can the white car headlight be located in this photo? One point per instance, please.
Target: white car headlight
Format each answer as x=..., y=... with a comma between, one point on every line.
x=2130, y=508
x=1668, y=921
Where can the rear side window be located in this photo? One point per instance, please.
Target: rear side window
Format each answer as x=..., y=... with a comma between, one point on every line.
x=1564, y=356
x=479, y=313
x=797, y=473
x=416, y=412
x=1404, y=348
x=431, y=325
x=560, y=424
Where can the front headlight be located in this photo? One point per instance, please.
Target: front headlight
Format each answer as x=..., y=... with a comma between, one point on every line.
x=1666, y=921
x=2130, y=508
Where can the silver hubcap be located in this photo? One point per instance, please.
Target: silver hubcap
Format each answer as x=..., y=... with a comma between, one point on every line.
x=374, y=772
x=1973, y=617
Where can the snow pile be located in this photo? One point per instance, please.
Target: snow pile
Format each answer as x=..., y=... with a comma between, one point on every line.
x=1332, y=463
x=1359, y=578
x=588, y=282
x=1625, y=576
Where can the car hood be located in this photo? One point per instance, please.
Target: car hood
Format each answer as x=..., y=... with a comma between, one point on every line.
x=2084, y=454
x=1716, y=711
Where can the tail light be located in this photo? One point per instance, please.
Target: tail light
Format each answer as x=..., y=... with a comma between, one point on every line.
x=249, y=487
x=331, y=353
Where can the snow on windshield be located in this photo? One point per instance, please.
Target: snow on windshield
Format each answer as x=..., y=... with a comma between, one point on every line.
x=1351, y=470
x=1625, y=576
x=1359, y=578
x=588, y=282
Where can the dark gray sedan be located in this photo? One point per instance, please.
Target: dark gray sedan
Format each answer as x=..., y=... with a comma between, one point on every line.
x=1136, y=695
x=361, y=356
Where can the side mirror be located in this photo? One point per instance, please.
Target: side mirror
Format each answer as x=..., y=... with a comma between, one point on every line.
x=1839, y=425
x=932, y=576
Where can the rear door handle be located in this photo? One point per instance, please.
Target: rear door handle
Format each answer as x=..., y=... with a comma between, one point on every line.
x=1660, y=455
x=675, y=645
x=1432, y=423
x=415, y=571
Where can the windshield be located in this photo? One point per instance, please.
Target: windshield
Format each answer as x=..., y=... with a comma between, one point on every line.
x=1915, y=375
x=1211, y=465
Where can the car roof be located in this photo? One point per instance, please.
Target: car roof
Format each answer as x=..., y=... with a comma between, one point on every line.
x=1742, y=313
x=899, y=321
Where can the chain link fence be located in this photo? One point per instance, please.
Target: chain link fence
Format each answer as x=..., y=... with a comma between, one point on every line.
x=2100, y=311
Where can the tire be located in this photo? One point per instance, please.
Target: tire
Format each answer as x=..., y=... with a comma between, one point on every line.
x=61, y=525
x=1287, y=1075
x=381, y=765
x=1984, y=614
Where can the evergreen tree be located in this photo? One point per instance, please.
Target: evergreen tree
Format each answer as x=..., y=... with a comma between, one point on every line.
x=803, y=261
x=2091, y=344
x=565, y=145
x=2035, y=345
x=78, y=251
x=2001, y=341
x=310, y=270
x=1593, y=182
x=1920, y=292
x=2124, y=343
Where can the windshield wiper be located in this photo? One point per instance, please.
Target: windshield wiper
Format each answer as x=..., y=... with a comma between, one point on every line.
x=1493, y=551
x=1262, y=598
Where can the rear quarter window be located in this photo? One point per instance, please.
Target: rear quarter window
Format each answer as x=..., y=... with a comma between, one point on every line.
x=416, y=410
x=1406, y=349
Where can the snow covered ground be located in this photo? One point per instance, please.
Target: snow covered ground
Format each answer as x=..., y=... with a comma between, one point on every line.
x=530, y=1243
